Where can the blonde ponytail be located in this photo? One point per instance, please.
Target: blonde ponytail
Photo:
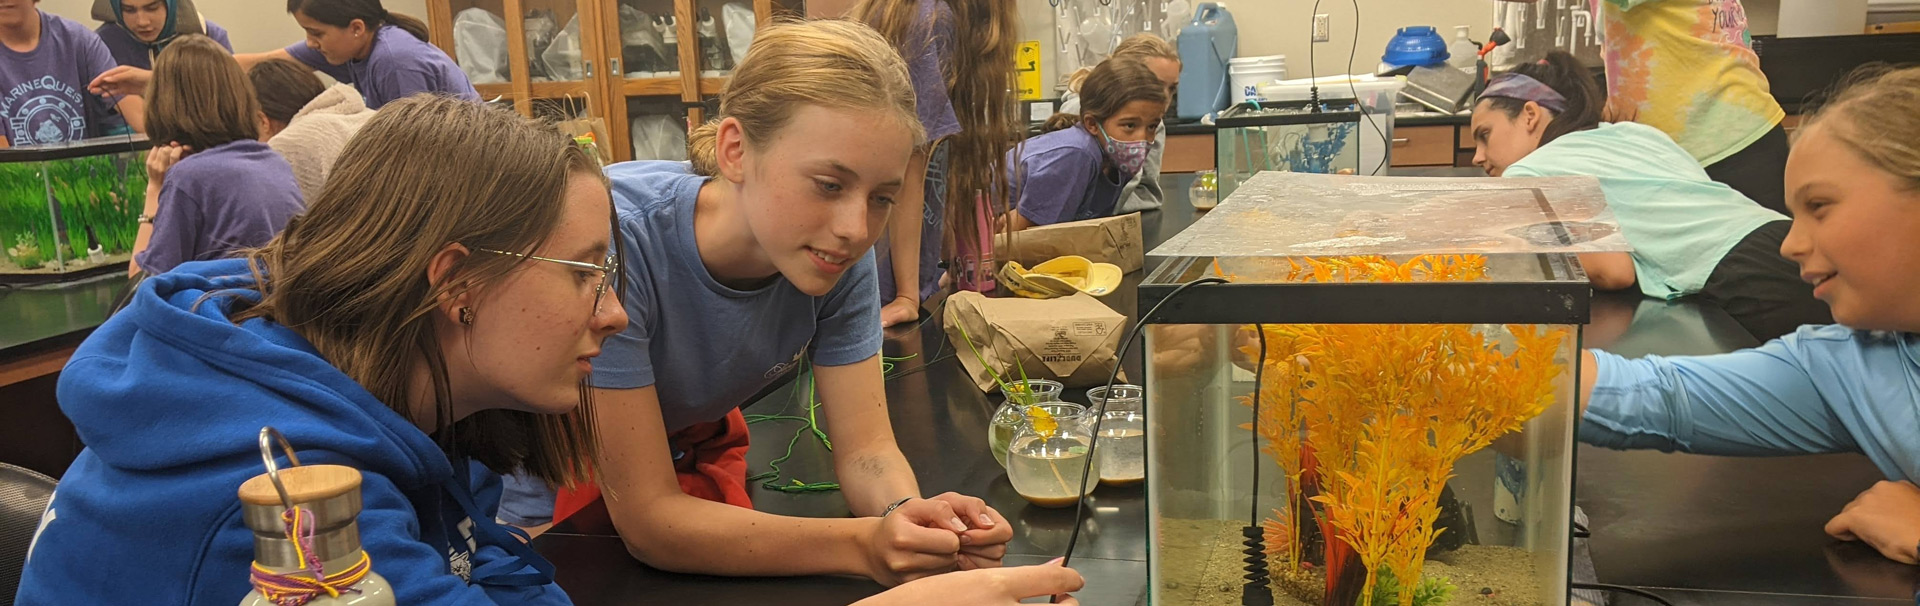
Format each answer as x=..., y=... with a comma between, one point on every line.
x=829, y=63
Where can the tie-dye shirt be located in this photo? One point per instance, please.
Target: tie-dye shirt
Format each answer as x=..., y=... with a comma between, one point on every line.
x=1687, y=67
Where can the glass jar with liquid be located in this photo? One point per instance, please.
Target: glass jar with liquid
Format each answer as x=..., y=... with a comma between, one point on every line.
x=1010, y=415
x=1047, y=462
x=1122, y=444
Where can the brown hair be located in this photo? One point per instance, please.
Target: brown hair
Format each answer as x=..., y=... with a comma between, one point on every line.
x=1141, y=47
x=342, y=13
x=350, y=274
x=1113, y=84
x=199, y=97
x=980, y=79
x=837, y=64
x=1564, y=74
x=284, y=88
x=1876, y=111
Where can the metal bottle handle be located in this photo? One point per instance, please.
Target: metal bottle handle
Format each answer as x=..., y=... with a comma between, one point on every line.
x=269, y=435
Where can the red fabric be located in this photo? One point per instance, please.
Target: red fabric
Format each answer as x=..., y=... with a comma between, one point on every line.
x=714, y=468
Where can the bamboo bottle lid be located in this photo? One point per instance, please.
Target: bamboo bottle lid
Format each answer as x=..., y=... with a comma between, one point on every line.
x=305, y=484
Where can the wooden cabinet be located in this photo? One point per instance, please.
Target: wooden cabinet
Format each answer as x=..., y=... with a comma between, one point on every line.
x=599, y=82
x=1423, y=145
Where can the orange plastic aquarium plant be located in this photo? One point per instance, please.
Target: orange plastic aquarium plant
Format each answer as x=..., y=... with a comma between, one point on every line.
x=1367, y=420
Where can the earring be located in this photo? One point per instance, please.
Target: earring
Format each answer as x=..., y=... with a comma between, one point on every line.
x=466, y=316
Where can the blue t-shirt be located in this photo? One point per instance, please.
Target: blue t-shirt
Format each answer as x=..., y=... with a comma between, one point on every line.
x=1060, y=176
x=1822, y=389
x=169, y=396
x=130, y=51
x=705, y=347
x=1679, y=221
x=43, y=92
x=399, y=66
x=237, y=195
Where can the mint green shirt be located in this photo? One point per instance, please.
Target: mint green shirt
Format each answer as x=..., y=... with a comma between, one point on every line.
x=1679, y=222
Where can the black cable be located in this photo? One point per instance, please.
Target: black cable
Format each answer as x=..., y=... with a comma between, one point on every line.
x=1255, y=591
x=1080, y=503
x=1622, y=589
x=1313, y=81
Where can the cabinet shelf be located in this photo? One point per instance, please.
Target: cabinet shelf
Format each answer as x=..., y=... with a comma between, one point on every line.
x=605, y=93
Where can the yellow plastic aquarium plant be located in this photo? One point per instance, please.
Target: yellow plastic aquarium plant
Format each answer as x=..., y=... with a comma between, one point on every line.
x=1366, y=421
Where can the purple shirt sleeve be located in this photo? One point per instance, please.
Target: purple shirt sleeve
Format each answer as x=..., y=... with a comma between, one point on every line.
x=313, y=58
x=1055, y=180
x=174, y=229
x=219, y=34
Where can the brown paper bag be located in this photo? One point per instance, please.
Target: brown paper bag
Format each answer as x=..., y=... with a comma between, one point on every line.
x=1113, y=240
x=590, y=127
x=1070, y=339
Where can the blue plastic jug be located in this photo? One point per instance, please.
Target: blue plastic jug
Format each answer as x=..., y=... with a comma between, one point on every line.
x=1206, y=44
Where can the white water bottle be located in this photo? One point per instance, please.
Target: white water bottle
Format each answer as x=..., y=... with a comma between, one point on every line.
x=1463, y=54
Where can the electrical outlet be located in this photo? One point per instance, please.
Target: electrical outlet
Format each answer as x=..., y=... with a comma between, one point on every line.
x=1321, y=30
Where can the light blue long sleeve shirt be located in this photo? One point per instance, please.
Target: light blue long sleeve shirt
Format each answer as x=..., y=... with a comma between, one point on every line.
x=1823, y=389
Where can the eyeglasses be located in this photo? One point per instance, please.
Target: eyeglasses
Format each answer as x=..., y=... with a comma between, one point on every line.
x=611, y=268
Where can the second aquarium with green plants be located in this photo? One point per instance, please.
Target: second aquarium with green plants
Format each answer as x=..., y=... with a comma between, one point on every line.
x=70, y=210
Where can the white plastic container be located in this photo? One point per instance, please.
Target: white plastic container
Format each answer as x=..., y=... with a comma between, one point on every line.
x=1246, y=74
x=1464, y=55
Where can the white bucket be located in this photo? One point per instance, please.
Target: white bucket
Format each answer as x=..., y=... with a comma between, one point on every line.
x=1248, y=73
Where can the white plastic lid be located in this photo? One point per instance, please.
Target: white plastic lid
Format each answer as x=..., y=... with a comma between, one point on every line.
x=1266, y=60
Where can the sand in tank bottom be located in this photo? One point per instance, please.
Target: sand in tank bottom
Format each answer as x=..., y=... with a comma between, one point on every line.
x=1201, y=563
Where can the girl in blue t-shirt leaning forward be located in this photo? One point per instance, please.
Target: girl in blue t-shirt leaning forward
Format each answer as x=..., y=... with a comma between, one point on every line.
x=1078, y=169
x=1853, y=183
x=384, y=55
x=752, y=259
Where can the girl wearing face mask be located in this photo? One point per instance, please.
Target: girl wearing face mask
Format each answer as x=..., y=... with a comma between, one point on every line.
x=435, y=317
x=135, y=31
x=1690, y=234
x=383, y=54
x=1078, y=169
x=1853, y=182
x=750, y=260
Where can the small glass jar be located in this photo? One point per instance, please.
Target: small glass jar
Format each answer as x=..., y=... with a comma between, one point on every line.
x=1122, y=444
x=1048, y=466
x=1008, y=417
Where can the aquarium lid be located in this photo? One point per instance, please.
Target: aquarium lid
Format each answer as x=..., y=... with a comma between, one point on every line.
x=75, y=149
x=1283, y=214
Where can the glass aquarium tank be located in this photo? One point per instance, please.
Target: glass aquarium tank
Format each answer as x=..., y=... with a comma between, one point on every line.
x=1377, y=406
x=1286, y=136
x=70, y=210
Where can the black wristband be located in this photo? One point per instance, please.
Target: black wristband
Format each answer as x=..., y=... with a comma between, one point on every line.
x=896, y=505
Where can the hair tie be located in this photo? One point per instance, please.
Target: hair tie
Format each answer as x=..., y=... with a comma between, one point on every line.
x=1524, y=88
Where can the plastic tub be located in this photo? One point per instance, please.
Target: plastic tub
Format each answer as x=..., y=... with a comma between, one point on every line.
x=1248, y=73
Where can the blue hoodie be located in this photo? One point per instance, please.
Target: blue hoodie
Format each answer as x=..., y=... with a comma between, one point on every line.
x=170, y=399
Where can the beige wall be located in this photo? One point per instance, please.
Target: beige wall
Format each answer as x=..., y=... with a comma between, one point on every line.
x=253, y=25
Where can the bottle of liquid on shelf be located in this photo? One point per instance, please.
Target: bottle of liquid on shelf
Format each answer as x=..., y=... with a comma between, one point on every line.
x=1463, y=54
x=310, y=553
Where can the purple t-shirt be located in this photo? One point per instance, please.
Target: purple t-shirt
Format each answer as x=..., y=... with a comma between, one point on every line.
x=399, y=66
x=130, y=51
x=214, y=202
x=927, y=66
x=43, y=92
x=1060, y=176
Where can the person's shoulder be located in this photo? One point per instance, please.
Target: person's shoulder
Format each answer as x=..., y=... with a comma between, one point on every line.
x=68, y=29
x=650, y=186
x=1069, y=144
x=223, y=161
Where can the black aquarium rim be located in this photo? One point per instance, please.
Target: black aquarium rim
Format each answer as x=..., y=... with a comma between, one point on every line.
x=1551, y=302
x=97, y=146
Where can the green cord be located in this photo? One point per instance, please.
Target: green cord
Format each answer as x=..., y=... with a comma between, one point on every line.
x=813, y=425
